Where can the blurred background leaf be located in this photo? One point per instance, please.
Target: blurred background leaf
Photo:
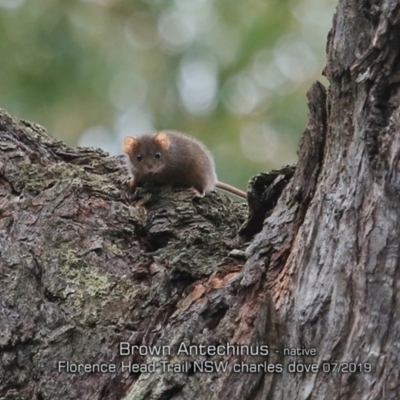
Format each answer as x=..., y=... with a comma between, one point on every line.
x=232, y=74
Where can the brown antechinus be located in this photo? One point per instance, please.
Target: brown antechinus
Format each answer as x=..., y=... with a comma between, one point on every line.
x=172, y=158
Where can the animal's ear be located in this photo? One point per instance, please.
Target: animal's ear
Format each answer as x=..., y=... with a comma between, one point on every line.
x=162, y=140
x=130, y=143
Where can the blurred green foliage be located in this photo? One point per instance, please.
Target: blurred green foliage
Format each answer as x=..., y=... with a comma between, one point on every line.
x=233, y=74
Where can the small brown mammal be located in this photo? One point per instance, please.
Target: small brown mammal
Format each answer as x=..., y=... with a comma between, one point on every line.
x=172, y=158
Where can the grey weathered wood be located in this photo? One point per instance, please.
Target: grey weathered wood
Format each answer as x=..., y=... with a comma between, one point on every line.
x=338, y=288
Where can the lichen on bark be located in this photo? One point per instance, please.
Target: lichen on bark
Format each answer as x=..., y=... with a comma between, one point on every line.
x=86, y=265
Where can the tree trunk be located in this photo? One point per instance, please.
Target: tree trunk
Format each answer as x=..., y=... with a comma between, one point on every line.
x=301, y=304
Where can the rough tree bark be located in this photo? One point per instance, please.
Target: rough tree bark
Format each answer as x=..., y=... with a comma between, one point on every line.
x=314, y=271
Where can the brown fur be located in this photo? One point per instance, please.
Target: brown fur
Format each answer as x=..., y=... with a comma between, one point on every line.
x=172, y=158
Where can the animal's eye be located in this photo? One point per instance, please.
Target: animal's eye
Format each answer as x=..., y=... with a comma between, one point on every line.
x=139, y=157
x=157, y=154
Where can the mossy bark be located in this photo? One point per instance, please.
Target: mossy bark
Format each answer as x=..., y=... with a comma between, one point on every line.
x=86, y=265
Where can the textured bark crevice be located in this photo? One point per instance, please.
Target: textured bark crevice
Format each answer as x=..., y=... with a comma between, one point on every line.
x=274, y=243
x=344, y=298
